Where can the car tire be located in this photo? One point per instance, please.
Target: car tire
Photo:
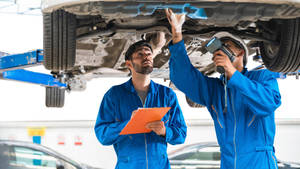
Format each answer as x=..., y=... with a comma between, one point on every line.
x=55, y=97
x=59, y=40
x=284, y=57
x=193, y=104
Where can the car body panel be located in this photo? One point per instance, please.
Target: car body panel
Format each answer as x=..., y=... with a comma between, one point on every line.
x=200, y=163
x=50, y=5
x=43, y=149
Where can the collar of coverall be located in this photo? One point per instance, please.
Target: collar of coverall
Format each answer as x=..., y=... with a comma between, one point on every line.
x=129, y=86
x=244, y=71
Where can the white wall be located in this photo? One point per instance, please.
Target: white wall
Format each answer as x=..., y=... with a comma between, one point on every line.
x=20, y=33
x=290, y=95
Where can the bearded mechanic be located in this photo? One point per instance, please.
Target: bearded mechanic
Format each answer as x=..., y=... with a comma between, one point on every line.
x=140, y=151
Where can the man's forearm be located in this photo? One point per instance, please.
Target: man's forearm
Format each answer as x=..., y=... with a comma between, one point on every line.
x=108, y=132
x=176, y=36
x=175, y=135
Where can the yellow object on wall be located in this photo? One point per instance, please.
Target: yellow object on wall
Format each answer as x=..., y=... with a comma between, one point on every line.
x=36, y=131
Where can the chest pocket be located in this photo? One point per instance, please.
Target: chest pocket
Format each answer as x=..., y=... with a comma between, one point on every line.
x=125, y=108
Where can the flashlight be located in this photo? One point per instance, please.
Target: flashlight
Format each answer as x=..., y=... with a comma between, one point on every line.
x=215, y=44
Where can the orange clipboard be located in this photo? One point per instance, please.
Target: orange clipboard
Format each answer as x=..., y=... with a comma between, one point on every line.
x=142, y=117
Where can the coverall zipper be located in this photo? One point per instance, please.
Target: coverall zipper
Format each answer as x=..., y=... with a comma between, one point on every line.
x=234, y=132
x=146, y=150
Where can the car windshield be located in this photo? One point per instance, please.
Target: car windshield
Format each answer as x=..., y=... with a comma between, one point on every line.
x=31, y=158
x=203, y=154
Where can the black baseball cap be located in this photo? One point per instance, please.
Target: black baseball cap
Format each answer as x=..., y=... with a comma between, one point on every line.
x=132, y=48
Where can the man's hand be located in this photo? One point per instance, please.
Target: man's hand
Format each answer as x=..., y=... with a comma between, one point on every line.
x=176, y=21
x=221, y=59
x=158, y=127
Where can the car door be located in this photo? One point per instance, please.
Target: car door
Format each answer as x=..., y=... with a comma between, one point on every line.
x=4, y=156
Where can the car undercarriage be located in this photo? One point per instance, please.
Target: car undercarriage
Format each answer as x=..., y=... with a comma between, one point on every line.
x=90, y=37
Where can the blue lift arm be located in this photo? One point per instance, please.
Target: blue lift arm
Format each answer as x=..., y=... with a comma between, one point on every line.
x=11, y=69
x=18, y=61
x=32, y=77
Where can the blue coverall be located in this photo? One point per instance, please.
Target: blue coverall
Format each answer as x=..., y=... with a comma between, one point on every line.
x=246, y=131
x=139, y=151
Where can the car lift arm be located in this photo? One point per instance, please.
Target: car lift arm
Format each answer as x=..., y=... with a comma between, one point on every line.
x=11, y=69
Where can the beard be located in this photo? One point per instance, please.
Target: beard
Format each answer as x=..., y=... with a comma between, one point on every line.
x=143, y=69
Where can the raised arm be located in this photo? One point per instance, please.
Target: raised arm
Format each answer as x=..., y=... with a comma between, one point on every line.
x=183, y=74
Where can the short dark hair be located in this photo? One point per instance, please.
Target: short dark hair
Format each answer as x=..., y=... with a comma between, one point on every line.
x=132, y=48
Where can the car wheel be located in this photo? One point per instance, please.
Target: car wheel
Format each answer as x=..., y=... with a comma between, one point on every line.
x=59, y=40
x=193, y=104
x=285, y=56
x=55, y=97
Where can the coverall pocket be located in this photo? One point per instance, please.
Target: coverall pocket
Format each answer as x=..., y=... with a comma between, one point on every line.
x=130, y=162
x=124, y=159
x=163, y=160
x=252, y=120
x=159, y=160
x=217, y=114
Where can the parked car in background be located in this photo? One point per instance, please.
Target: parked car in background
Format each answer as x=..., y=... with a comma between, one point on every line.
x=3, y=54
x=206, y=156
x=26, y=155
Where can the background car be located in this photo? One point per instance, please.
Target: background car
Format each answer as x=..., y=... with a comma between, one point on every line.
x=2, y=54
x=26, y=155
x=206, y=156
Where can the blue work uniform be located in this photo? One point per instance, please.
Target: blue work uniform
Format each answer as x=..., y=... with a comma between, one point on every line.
x=142, y=151
x=245, y=132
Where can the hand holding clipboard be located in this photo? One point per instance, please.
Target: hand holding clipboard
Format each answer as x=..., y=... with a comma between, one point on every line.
x=142, y=116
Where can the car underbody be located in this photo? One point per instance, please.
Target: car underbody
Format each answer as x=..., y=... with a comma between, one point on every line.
x=90, y=37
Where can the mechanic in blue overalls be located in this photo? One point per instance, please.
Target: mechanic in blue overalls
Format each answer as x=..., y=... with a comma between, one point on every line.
x=140, y=151
x=241, y=102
